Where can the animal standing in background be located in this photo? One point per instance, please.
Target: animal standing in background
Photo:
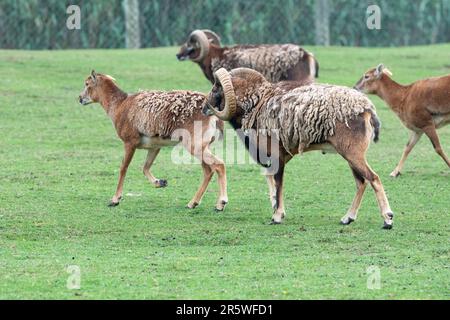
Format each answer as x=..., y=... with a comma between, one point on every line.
x=423, y=107
x=302, y=119
x=152, y=120
x=276, y=62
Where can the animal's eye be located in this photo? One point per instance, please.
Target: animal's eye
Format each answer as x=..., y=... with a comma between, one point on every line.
x=366, y=76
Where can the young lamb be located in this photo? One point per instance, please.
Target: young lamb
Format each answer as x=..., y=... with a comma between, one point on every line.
x=423, y=107
x=154, y=119
x=276, y=62
x=300, y=119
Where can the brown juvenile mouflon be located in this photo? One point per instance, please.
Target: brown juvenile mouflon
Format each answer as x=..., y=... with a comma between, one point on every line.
x=155, y=119
x=422, y=107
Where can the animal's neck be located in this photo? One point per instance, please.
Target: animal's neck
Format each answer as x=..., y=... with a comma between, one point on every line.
x=111, y=96
x=266, y=92
x=236, y=123
x=391, y=92
x=253, y=106
x=206, y=64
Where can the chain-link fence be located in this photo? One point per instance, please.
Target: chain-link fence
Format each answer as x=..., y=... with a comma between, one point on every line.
x=43, y=24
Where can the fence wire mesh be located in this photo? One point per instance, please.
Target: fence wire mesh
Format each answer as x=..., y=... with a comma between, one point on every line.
x=42, y=24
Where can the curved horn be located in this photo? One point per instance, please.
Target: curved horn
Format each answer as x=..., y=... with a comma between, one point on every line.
x=248, y=74
x=200, y=37
x=229, y=110
x=212, y=36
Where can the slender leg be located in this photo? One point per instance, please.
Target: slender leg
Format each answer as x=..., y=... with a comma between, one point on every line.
x=207, y=175
x=271, y=183
x=210, y=164
x=129, y=152
x=365, y=171
x=430, y=131
x=352, y=213
x=218, y=166
x=383, y=203
x=353, y=147
x=413, y=139
x=151, y=155
x=279, y=212
x=222, y=180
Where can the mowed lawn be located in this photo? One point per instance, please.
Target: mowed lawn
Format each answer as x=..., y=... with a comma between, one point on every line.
x=59, y=164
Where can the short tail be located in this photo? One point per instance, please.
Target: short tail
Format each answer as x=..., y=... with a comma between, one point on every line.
x=375, y=122
x=317, y=68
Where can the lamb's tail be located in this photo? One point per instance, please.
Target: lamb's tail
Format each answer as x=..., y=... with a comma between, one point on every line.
x=376, y=124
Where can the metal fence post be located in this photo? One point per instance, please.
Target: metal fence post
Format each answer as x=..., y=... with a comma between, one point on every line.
x=132, y=28
x=322, y=22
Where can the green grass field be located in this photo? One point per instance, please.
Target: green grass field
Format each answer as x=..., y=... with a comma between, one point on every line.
x=59, y=165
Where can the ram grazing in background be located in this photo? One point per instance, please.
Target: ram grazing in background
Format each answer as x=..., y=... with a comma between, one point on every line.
x=300, y=119
x=276, y=62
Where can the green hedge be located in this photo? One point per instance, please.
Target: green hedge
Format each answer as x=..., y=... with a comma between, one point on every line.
x=41, y=24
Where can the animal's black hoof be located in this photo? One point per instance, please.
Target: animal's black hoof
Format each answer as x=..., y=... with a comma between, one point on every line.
x=113, y=204
x=221, y=207
x=387, y=226
x=192, y=205
x=273, y=222
x=390, y=215
x=161, y=183
x=395, y=174
x=346, y=223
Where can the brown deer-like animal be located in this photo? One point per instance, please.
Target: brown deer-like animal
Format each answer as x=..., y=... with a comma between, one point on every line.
x=155, y=119
x=423, y=107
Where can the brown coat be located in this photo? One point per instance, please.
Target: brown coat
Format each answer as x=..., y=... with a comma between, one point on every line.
x=422, y=107
x=155, y=119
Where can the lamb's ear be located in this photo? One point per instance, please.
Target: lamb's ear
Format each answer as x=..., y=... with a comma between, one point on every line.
x=379, y=70
x=387, y=71
x=94, y=76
